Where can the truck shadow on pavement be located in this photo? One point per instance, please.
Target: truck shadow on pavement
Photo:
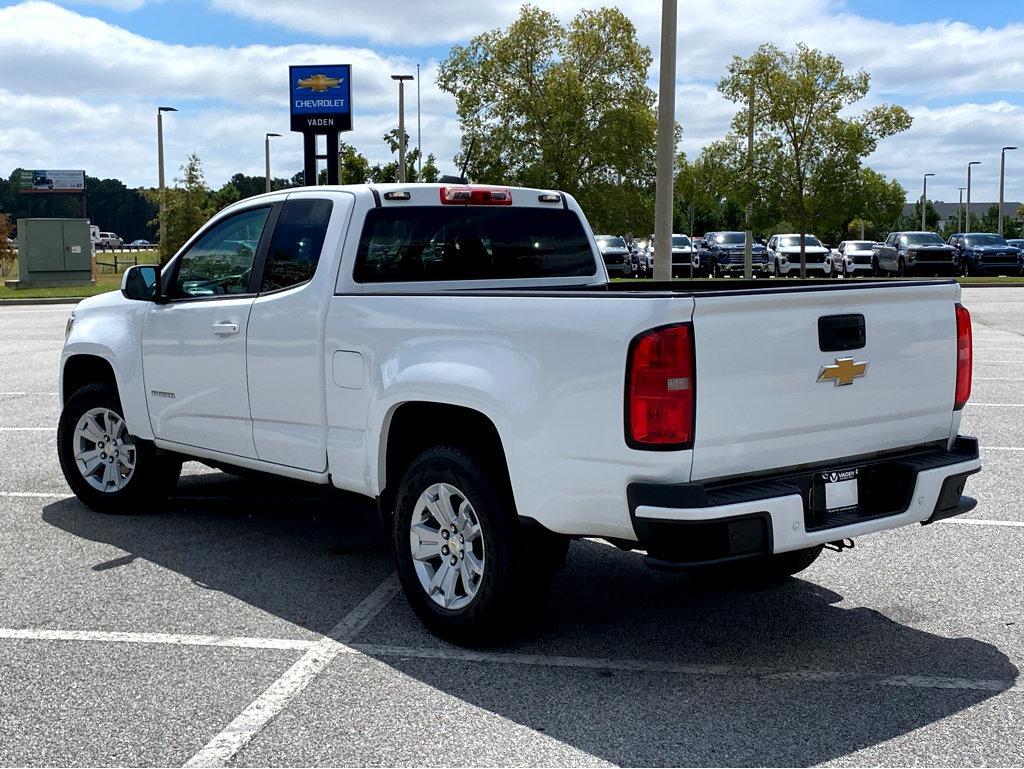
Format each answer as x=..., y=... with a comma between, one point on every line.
x=291, y=553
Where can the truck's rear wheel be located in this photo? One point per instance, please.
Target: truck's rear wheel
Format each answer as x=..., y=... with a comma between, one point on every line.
x=107, y=468
x=463, y=559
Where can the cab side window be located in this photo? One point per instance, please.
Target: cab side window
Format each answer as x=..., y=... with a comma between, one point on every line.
x=220, y=262
x=296, y=244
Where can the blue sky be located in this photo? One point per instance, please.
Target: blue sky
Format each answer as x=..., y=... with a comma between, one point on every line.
x=957, y=66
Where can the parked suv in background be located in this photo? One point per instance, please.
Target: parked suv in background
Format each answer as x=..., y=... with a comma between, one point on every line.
x=723, y=254
x=915, y=253
x=616, y=255
x=784, y=255
x=109, y=240
x=980, y=253
x=855, y=256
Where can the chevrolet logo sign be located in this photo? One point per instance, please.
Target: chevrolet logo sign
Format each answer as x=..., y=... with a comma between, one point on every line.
x=843, y=371
x=319, y=83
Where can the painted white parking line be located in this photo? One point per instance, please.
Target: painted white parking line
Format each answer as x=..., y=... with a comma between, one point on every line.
x=34, y=494
x=727, y=671
x=994, y=405
x=236, y=735
x=1002, y=448
x=984, y=522
x=27, y=429
x=998, y=379
x=26, y=392
x=171, y=639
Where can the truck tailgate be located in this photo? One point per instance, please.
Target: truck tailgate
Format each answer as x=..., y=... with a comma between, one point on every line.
x=760, y=404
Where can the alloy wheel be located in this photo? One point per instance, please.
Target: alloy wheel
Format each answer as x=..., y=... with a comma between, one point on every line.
x=103, y=451
x=447, y=546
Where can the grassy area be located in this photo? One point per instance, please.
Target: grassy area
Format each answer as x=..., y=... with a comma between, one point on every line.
x=104, y=282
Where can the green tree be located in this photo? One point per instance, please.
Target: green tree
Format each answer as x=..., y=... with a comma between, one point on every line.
x=555, y=106
x=188, y=205
x=806, y=142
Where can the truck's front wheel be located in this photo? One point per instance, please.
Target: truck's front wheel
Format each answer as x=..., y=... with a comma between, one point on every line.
x=106, y=467
x=462, y=555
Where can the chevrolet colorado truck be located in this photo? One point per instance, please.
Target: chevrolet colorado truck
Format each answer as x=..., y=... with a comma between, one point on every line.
x=458, y=354
x=915, y=253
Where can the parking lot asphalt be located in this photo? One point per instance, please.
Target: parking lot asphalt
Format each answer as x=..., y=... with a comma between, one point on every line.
x=259, y=623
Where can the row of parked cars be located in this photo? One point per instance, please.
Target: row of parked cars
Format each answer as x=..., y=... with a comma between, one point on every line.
x=720, y=254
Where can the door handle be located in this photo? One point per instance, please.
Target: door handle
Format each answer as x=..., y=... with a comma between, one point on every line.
x=225, y=329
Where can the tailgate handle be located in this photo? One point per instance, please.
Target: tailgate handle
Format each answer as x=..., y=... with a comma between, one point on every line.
x=841, y=332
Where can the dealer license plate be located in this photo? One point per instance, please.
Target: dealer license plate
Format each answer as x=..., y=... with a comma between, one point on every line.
x=840, y=487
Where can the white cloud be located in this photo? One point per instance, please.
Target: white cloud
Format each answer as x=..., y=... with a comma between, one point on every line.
x=83, y=104
x=102, y=112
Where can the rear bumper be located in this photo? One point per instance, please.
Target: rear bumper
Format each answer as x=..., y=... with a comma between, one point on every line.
x=693, y=524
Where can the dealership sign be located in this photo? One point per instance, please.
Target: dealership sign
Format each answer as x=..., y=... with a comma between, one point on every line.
x=52, y=181
x=321, y=98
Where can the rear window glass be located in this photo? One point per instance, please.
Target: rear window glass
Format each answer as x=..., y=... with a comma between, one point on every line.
x=297, y=243
x=427, y=243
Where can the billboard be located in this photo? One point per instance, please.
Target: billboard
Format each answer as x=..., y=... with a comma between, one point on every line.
x=320, y=98
x=52, y=181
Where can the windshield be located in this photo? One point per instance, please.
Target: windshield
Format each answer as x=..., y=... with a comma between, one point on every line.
x=611, y=241
x=859, y=245
x=730, y=238
x=986, y=240
x=921, y=239
x=793, y=241
x=680, y=241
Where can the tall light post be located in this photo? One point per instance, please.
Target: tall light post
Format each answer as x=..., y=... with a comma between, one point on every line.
x=401, y=124
x=924, y=202
x=419, y=129
x=960, y=211
x=160, y=162
x=967, y=215
x=266, y=147
x=1002, y=182
x=666, y=144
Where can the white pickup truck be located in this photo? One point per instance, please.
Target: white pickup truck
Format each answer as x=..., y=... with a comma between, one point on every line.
x=458, y=354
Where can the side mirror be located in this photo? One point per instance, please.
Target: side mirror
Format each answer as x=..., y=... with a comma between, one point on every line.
x=142, y=282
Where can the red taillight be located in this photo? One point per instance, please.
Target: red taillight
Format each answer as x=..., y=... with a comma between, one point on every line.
x=964, y=355
x=463, y=194
x=660, y=389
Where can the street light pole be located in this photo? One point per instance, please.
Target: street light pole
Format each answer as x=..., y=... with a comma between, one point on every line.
x=401, y=124
x=748, y=242
x=666, y=144
x=1002, y=182
x=960, y=211
x=924, y=202
x=967, y=215
x=266, y=141
x=160, y=162
x=419, y=129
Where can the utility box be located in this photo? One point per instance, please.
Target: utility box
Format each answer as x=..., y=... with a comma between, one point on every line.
x=53, y=253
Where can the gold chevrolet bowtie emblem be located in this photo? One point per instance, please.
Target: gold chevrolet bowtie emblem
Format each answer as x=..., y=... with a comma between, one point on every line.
x=843, y=372
x=319, y=83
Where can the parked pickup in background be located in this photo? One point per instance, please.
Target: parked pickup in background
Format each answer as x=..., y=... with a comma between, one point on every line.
x=458, y=354
x=617, y=258
x=985, y=253
x=915, y=253
x=784, y=255
x=723, y=254
x=856, y=257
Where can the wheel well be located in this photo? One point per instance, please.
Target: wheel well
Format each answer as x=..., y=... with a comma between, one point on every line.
x=82, y=370
x=417, y=426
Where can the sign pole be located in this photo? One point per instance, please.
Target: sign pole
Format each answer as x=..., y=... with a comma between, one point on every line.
x=309, y=159
x=332, y=157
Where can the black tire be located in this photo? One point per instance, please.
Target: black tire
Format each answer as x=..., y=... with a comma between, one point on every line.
x=901, y=269
x=153, y=477
x=517, y=565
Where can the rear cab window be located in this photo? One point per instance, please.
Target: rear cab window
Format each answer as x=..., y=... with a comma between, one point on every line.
x=467, y=243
